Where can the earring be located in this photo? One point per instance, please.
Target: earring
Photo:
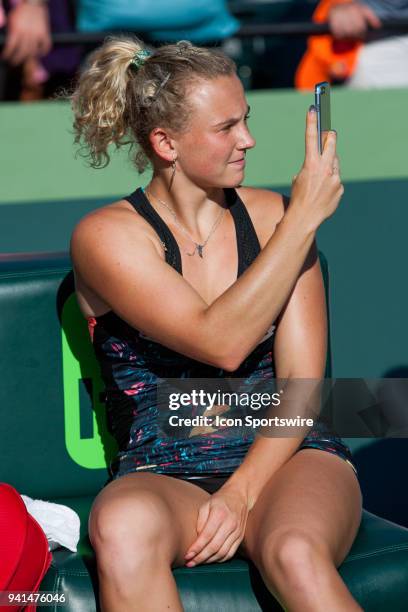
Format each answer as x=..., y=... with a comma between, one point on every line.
x=173, y=165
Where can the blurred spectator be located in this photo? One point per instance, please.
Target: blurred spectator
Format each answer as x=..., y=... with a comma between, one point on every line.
x=27, y=36
x=43, y=76
x=352, y=20
x=27, y=30
x=161, y=20
x=31, y=68
x=358, y=53
x=383, y=60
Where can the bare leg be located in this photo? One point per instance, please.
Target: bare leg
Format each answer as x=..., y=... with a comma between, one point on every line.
x=301, y=529
x=141, y=526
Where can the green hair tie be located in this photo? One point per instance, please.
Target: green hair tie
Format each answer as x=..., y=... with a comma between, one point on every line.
x=139, y=58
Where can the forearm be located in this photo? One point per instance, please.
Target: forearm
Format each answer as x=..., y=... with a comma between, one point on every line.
x=275, y=444
x=239, y=318
x=263, y=459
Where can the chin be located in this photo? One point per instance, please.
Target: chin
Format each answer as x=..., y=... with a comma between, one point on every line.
x=235, y=182
x=234, y=179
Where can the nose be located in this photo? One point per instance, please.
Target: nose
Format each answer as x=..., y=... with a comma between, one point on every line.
x=246, y=140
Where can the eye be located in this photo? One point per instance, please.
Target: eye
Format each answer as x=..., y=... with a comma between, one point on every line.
x=228, y=127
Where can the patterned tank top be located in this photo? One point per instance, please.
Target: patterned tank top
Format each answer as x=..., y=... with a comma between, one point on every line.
x=132, y=364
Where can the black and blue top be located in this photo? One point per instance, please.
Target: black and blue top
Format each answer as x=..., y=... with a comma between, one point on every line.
x=132, y=364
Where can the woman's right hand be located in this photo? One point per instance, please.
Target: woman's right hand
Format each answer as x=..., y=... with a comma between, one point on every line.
x=317, y=188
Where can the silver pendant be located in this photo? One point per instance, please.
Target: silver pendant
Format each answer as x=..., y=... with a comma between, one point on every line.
x=199, y=248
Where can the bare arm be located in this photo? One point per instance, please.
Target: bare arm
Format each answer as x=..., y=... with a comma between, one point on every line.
x=300, y=353
x=243, y=313
x=152, y=297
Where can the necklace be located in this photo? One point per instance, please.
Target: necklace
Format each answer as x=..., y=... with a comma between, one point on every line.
x=198, y=247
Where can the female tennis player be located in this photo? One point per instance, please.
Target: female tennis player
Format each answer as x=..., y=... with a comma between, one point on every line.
x=196, y=276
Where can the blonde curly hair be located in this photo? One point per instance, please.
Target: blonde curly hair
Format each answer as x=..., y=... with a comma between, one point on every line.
x=125, y=91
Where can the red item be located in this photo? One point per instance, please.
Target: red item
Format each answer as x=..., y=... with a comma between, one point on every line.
x=24, y=553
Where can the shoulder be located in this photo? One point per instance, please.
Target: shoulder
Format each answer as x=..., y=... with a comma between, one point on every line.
x=110, y=229
x=116, y=215
x=264, y=202
x=265, y=207
x=112, y=223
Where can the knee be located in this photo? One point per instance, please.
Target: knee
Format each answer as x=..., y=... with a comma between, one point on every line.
x=293, y=555
x=131, y=528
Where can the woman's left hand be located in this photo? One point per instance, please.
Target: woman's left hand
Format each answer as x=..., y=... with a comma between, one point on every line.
x=220, y=526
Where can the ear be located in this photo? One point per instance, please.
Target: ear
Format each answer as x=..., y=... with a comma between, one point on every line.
x=163, y=144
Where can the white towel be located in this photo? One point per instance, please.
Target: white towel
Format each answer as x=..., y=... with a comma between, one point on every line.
x=59, y=523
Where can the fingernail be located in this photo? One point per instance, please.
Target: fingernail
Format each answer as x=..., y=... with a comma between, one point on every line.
x=312, y=108
x=335, y=131
x=190, y=564
x=189, y=555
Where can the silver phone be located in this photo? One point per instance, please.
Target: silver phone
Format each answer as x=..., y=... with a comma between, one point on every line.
x=322, y=103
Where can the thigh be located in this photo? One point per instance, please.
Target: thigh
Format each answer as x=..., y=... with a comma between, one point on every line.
x=315, y=493
x=136, y=505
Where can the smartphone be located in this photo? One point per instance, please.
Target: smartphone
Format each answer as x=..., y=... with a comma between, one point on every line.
x=322, y=103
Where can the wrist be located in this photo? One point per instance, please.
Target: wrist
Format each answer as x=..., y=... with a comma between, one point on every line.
x=238, y=484
x=298, y=217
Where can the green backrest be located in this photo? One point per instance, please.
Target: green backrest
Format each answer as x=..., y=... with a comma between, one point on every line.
x=53, y=436
x=52, y=441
